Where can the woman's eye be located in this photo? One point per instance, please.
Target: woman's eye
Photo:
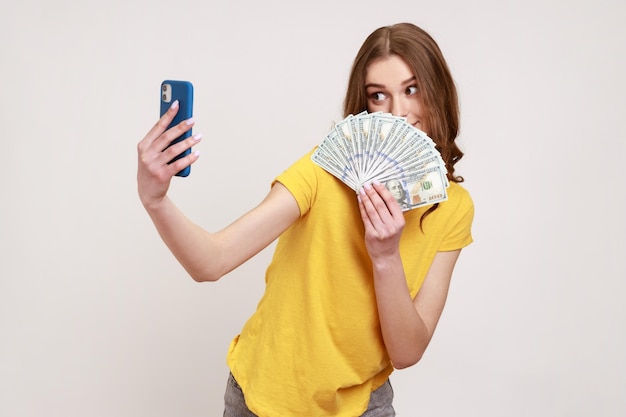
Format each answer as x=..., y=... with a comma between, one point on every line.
x=411, y=90
x=377, y=96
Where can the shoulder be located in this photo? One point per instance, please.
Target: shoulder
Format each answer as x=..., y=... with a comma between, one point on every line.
x=457, y=215
x=459, y=202
x=301, y=179
x=459, y=195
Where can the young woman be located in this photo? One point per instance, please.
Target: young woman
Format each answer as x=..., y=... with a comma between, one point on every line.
x=356, y=286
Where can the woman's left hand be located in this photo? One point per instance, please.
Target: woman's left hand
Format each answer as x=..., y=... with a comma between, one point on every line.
x=383, y=220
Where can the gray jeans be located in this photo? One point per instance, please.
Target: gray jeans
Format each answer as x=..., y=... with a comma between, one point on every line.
x=380, y=404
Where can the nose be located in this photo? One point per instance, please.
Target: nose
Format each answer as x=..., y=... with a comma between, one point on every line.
x=399, y=107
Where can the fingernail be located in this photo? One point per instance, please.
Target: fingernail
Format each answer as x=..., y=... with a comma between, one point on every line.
x=189, y=121
x=197, y=137
x=174, y=104
x=367, y=186
x=196, y=153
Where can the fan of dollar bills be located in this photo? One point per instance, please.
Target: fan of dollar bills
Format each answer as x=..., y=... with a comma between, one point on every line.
x=380, y=147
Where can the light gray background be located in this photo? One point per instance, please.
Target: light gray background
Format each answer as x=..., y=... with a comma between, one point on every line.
x=98, y=319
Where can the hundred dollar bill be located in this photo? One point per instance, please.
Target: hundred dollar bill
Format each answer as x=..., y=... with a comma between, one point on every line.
x=427, y=187
x=422, y=189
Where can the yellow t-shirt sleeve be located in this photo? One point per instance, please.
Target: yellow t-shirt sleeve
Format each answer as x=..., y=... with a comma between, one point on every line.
x=301, y=180
x=460, y=222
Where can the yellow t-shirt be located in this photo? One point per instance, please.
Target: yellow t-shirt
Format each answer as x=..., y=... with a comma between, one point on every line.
x=314, y=347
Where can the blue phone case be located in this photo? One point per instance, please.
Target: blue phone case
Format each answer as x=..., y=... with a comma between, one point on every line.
x=183, y=92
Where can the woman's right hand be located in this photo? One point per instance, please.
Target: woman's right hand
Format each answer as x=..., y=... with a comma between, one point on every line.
x=153, y=171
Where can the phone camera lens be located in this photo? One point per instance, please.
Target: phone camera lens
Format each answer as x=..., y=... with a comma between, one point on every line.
x=164, y=87
x=164, y=97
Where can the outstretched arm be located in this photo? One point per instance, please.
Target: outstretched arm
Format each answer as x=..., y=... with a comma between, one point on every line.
x=205, y=256
x=407, y=324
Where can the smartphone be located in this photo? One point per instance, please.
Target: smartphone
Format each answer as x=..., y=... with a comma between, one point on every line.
x=182, y=91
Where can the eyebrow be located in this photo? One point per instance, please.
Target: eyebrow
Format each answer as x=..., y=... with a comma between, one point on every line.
x=407, y=81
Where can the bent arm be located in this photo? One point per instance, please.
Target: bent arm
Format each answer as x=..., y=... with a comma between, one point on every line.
x=208, y=256
x=408, y=324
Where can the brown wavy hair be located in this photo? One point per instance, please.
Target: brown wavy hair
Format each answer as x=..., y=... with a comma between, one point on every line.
x=434, y=81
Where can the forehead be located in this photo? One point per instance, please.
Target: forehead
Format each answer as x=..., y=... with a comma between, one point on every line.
x=388, y=71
